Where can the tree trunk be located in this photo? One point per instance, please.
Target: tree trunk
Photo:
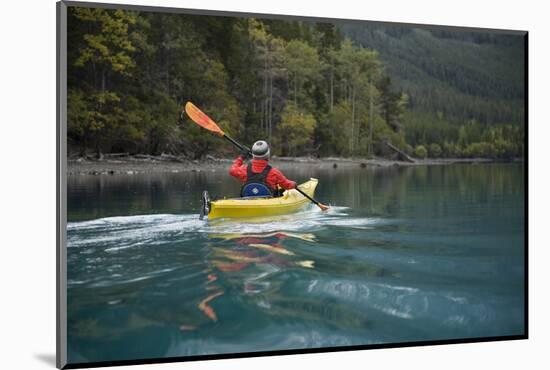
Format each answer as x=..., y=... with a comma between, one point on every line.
x=345, y=90
x=103, y=80
x=254, y=99
x=331, y=89
x=296, y=90
x=263, y=124
x=167, y=77
x=352, y=138
x=266, y=114
x=94, y=72
x=166, y=73
x=371, y=118
x=266, y=100
x=99, y=155
x=270, y=105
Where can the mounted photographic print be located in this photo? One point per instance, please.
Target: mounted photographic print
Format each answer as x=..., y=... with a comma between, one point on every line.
x=235, y=184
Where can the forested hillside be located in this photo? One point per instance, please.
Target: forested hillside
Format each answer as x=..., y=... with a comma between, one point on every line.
x=453, y=78
x=308, y=88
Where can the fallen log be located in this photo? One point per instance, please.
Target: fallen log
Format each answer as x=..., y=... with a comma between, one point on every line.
x=402, y=155
x=116, y=155
x=170, y=158
x=211, y=158
x=144, y=156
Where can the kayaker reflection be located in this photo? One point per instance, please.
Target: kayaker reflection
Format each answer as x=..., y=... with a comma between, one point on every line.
x=248, y=257
x=258, y=177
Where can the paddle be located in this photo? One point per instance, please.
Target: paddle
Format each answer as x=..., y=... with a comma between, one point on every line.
x=320, y=205
x=201, y=119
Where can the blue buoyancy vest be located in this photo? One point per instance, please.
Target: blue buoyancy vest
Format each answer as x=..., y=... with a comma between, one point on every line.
x=256, y=185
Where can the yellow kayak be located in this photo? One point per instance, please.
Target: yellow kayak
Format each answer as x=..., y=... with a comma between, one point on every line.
x=291, y=201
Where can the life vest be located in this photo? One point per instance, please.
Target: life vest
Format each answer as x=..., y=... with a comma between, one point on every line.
x=256, y=185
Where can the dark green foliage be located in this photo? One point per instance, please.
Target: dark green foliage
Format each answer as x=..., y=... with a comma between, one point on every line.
x=301, y=85
x=502, y=141
x=425, y=128
x=392, y=103
x=434, y=150
x=464, y=75
x=296, y=130
x=420, y=152
x=329, y=38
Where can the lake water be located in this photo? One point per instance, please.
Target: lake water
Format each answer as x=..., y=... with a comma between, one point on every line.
x=404, y=254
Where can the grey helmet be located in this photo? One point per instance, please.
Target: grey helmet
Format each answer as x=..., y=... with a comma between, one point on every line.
x=260, y=150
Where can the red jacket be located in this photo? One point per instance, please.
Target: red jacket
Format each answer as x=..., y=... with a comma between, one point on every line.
x=273, y=178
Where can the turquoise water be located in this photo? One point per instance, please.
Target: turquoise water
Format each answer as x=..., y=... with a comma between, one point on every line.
x=404, y=254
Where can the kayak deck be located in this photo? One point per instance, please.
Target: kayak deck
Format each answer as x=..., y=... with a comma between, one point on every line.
x=291, y=201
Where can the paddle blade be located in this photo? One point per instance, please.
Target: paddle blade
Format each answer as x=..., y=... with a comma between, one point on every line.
x=323, y=207
x=202, y=119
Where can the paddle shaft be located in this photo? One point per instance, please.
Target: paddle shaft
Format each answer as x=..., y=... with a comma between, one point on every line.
x=242, y=147
x=308, y=197
x=232, y=141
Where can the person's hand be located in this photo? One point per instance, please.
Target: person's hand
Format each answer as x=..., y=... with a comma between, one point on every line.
x=245, y=154
x=293, y=185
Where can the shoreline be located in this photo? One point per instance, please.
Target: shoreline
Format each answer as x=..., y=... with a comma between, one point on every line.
x=131, y=165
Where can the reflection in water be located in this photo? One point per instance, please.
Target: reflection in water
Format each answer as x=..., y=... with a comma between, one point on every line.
x=237, y=252
x=206, y=309
x=406, y=254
